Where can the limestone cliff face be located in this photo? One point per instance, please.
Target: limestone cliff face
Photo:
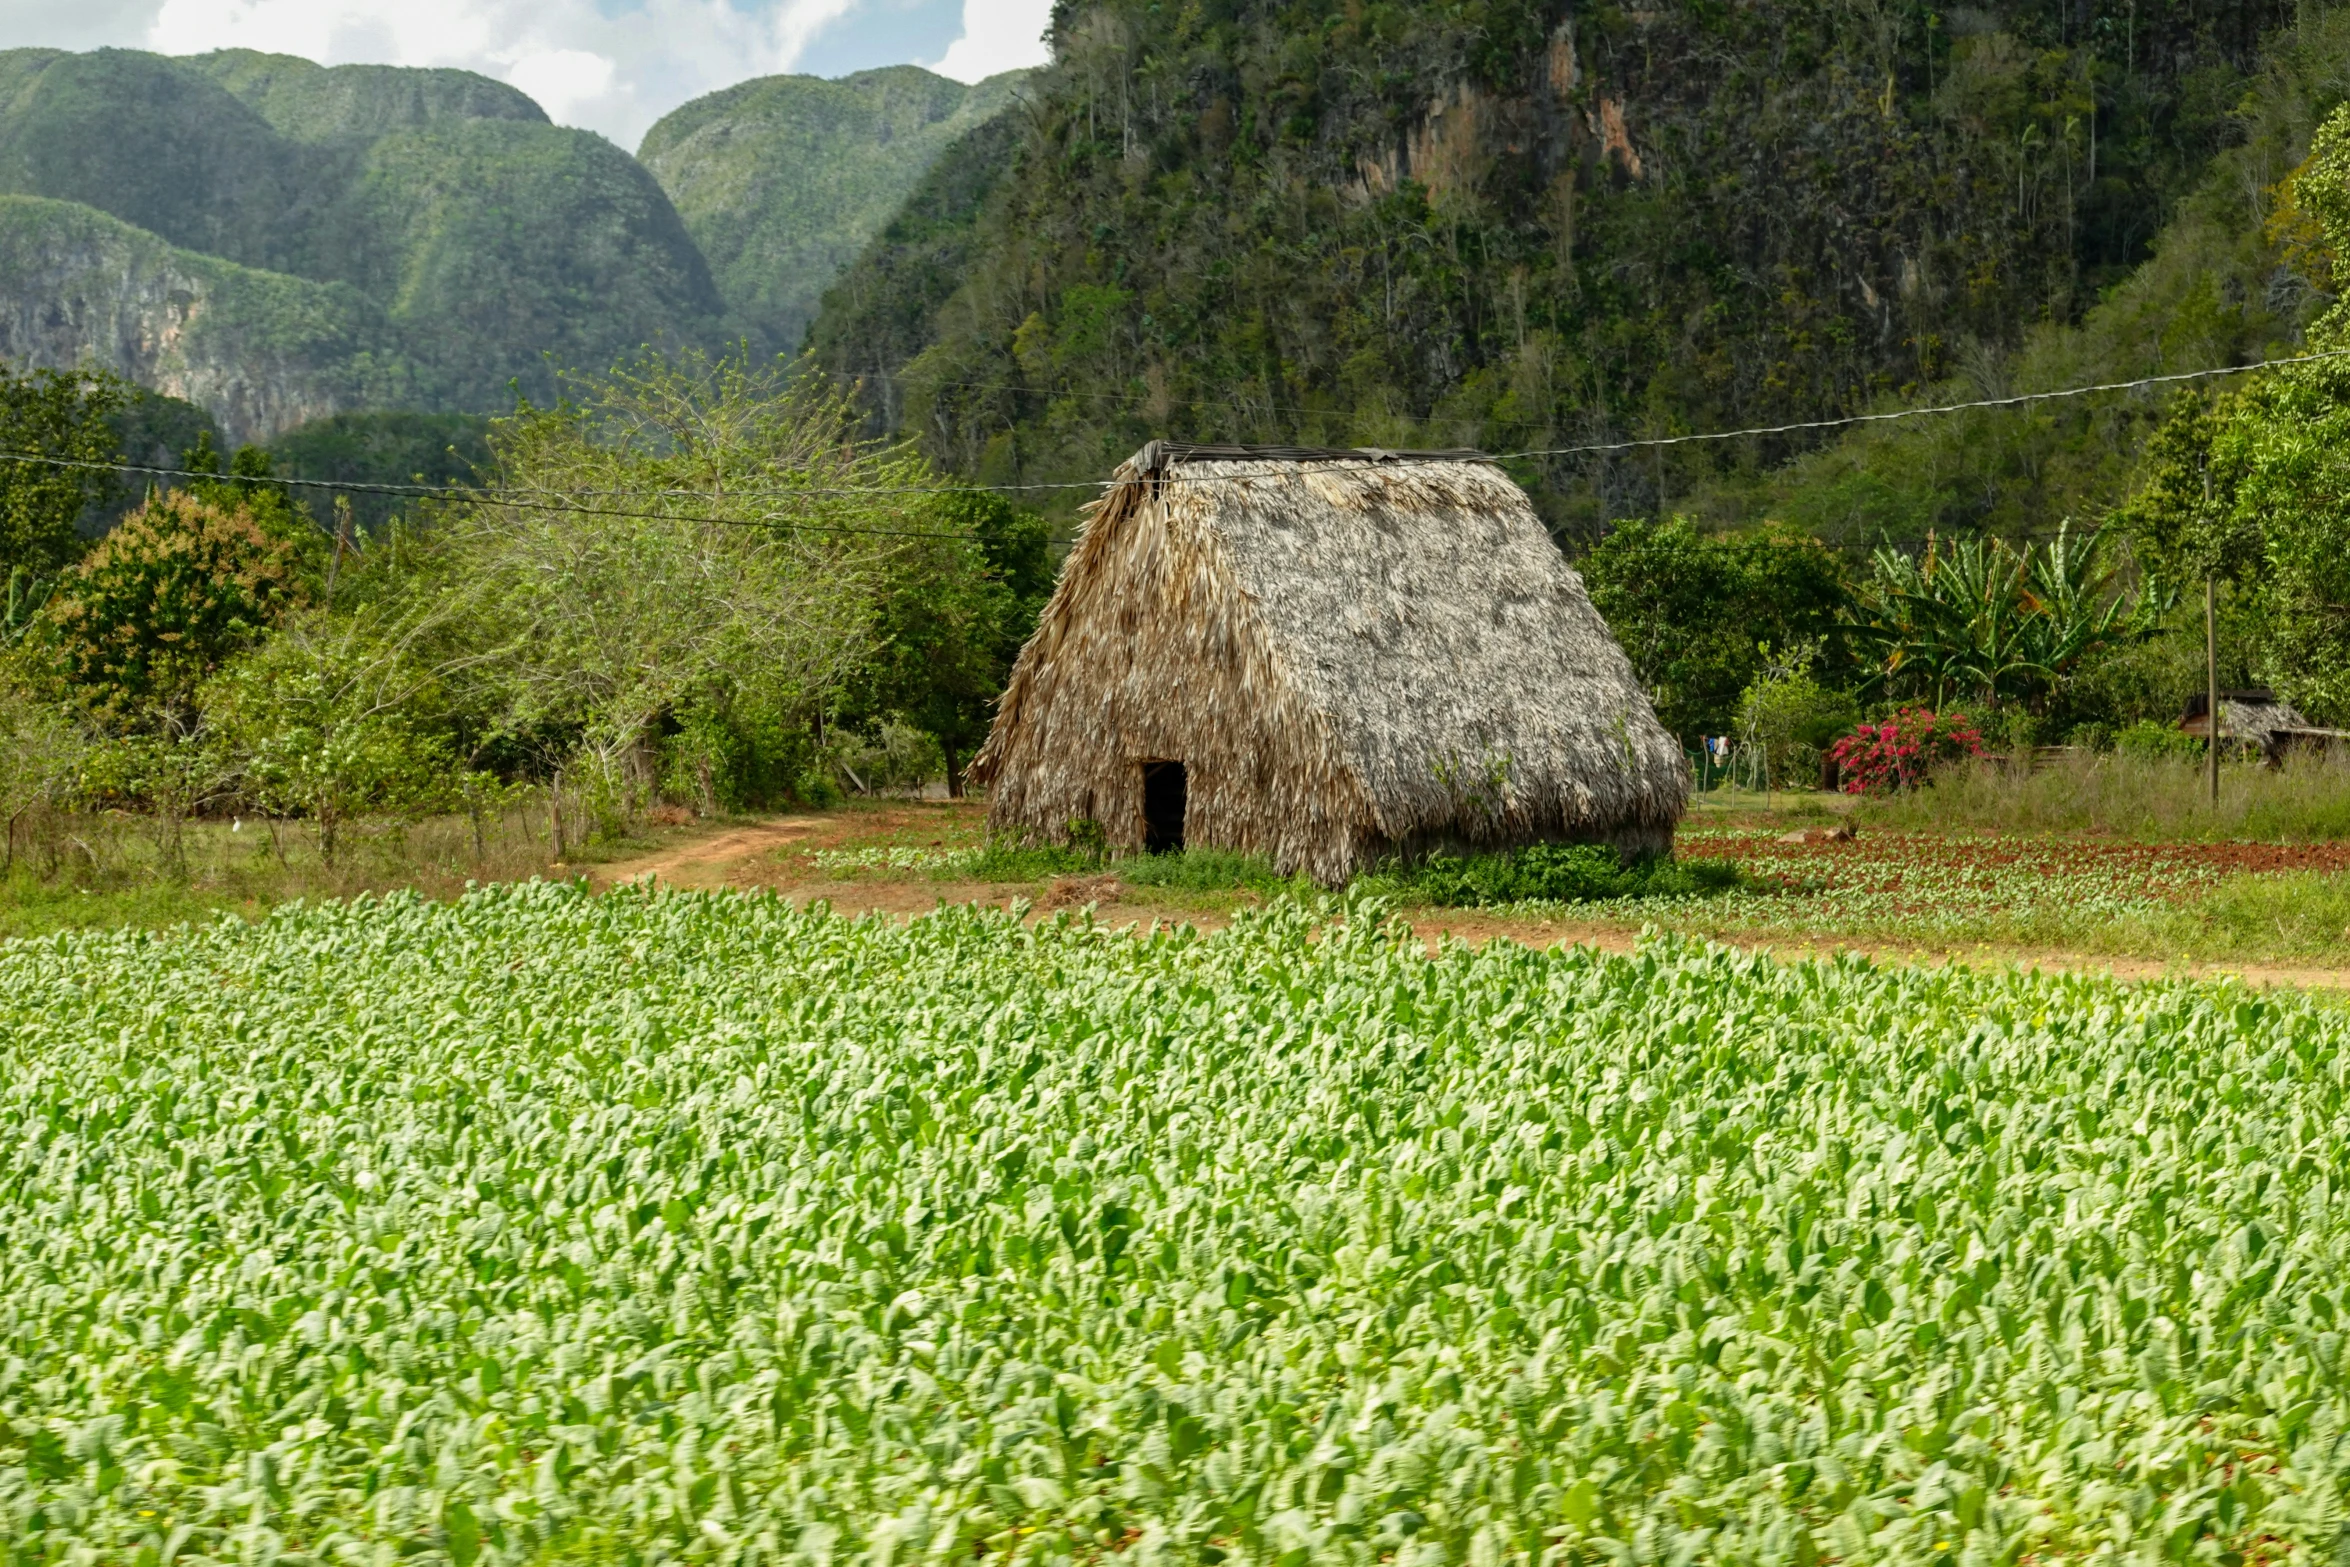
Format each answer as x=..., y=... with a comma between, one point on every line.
x=261, y=351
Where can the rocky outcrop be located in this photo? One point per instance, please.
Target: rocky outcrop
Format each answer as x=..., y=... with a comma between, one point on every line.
x=290, y=239
x=261, y=351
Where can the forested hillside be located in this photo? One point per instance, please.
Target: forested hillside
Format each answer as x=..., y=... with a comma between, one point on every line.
x=1527, y=224
x=782, y=180
x=400, y=238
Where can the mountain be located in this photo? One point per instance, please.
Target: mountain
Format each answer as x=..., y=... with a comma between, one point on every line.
x=1530, y=225
x=2227, y=281
x=278, y=240
x=784, y=179
x=261, y=351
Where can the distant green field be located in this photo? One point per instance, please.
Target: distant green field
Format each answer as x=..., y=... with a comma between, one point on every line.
x=665, y=1228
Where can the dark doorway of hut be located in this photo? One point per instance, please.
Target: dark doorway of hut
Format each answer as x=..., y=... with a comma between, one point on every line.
x=1164, y=795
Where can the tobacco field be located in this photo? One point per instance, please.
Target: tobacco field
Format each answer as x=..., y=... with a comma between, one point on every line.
x=666, y=1228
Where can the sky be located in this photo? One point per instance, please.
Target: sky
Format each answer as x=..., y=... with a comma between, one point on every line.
x=613, y=66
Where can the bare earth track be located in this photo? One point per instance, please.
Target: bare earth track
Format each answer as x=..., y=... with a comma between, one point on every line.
x=767, y=855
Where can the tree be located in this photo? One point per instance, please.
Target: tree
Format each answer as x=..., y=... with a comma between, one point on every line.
x=65, y=416
x=955, y=616
x=322, y=721
x=245, y=487
x=162, y=602
x=2254, y=487
x=1981, y=620
x=1693, y=610
x=680, y=535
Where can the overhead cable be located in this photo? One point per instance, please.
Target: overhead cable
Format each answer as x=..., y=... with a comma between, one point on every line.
x=532, y=500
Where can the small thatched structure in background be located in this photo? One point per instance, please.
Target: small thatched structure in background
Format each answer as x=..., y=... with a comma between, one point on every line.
x=2249, y=717
x=1328, y=658
x=2257, y=718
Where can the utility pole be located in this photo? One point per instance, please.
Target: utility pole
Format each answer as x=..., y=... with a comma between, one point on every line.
x=2211, y=685
x=2210, y=657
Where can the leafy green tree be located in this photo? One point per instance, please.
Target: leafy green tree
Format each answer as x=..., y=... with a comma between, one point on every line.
x=324, y=721
x=65, y=416
x=245, y=487
x=958, y=609
x=162, y=602
x=1693, y=611
x=1983, y=621
x=744, y=573
x=2183, y=523
x=2254, y=487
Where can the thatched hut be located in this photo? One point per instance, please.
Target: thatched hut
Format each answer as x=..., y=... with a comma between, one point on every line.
x=1328, y=658
x=2254, y=718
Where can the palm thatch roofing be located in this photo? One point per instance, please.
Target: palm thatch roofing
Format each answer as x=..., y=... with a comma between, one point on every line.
x=2243, y=715
x=1352, y=654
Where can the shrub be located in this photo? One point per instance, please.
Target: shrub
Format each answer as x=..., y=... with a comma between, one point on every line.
x=165, y=600
x=1902, y=752
x=2150, y=739
x=318, y=724
x=1792, y=717
x=1557, y=873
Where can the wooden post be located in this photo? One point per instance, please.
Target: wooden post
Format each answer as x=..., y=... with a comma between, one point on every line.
x=2211, y=685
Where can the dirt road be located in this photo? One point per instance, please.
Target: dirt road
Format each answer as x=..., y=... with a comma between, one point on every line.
x=760, y=856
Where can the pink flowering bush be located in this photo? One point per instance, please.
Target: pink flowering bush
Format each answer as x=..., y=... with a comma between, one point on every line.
x=1901, y=751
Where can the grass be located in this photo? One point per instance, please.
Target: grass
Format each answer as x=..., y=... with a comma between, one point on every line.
x=2149, y=799
x=2294, y=915
x=101, y=870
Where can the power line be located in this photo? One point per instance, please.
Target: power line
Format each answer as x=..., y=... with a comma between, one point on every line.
x=522, y=500
x=518, y=499
x=1847, y=420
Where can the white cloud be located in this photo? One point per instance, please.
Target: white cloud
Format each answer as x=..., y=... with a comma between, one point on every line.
x=615, y=74
x=564, y=81
x=998, y=35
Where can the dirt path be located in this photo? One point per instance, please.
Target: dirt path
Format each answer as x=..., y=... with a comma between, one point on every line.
x=745, y=857
x=712, y=861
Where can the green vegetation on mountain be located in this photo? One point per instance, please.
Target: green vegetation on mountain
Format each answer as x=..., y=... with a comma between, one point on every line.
x=782, y=180
x=306, y=102
x=2237, y=275
x=1517, y=224
x=878, y=315
x=409, y=238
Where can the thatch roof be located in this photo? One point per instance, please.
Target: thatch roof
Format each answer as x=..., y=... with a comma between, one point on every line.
x=1355, y=654
x=2243, y=715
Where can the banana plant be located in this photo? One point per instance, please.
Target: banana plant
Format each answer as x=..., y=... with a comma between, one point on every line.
x=26, y=594
x=1981, y=620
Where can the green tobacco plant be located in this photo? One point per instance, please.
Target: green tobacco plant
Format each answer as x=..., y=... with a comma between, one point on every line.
x=1552, y=873
x=541, y=1226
